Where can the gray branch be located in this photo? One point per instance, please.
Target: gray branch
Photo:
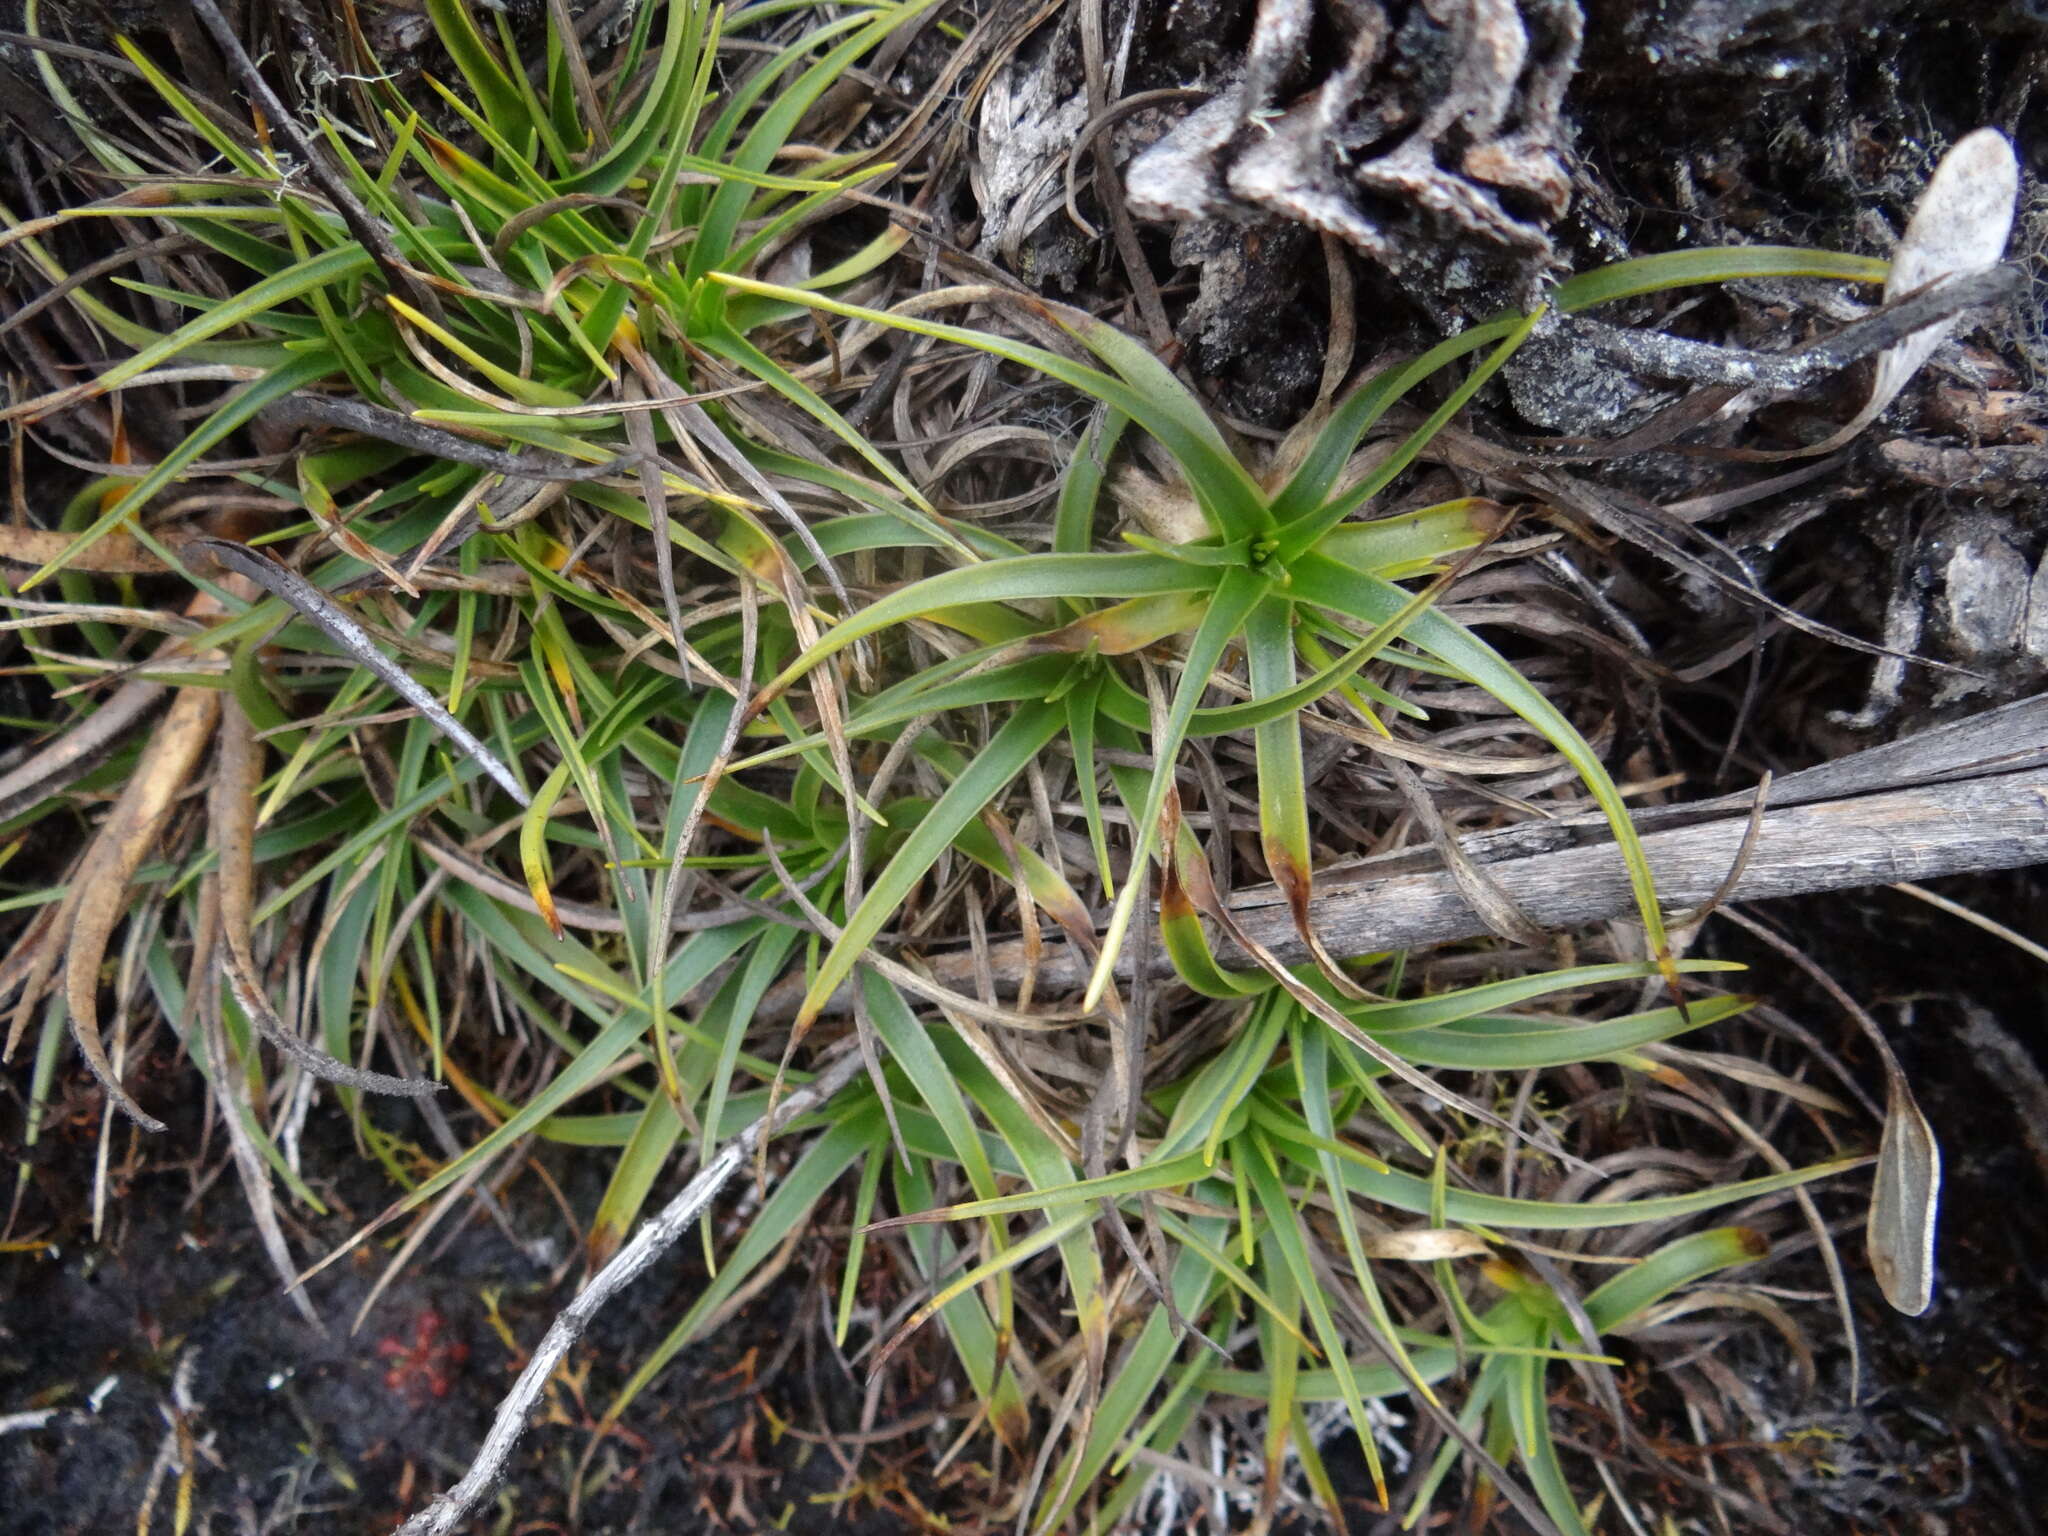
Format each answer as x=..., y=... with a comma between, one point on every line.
x=389, y=426
x=654, y=1238
x=1660, y=355
x=317, y=608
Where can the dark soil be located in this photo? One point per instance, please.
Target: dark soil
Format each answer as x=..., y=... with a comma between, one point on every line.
x=172, y=1325
x=1953, y=1424
x=1949, y=1430
x=299, y=1430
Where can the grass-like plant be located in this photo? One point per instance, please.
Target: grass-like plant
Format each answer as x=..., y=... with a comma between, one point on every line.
x=1281, y=569
x=563, y=796
x=492, y=332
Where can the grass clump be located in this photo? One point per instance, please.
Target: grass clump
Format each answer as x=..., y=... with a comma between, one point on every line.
x=582, y=781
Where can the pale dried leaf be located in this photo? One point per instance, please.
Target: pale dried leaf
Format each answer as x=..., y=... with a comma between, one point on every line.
x=1425, y=1245
x=1960, y=225
x=1904, y=1204
x=131, y=833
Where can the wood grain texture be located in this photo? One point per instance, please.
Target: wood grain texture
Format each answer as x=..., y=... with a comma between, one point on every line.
x=1910, y=834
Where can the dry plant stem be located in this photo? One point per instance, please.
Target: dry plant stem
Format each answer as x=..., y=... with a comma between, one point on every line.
x=1109, y=184
x=80, y=749
x=130, y=834
x=388, y=426
x=1689, y=922
x=640, y=433
x=315, y=606
x=653, y=1239
x=578, y=914
x=1998, y=822
x=238, y=775
x=232, y=1094
x=163, y=246
x=1495, y=907
x=1673, y=357
x=1991, y=926
x=1650, y=528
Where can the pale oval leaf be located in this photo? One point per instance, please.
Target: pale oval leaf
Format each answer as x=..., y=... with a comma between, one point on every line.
x=1961, y=224
x=1904, y=1203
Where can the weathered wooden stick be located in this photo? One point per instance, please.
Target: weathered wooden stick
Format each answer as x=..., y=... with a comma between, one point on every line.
x=1961, y=799
x=1911, y=834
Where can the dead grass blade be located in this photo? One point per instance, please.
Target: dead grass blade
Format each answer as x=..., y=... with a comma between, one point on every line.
x=79, y=750
x=231, y=806
x=118, y=554
x=231, y=1084
x=130, y=834
x=1991, y=926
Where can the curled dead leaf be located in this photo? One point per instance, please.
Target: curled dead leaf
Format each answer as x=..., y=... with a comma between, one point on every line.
x=116, y=554
x=131, y=833
x=231, y=804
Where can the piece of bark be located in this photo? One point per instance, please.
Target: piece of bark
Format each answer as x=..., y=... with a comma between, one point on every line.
x=1997, y=473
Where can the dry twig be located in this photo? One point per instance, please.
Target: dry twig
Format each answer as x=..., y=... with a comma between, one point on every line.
x=653, y=1239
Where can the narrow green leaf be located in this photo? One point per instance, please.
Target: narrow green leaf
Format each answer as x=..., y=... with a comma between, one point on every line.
x=1304, y=532
x=1524, y=1045
x=1679, y=269
x=225, y=420
x=856, y=1132
x=502, y=101
x=1406, y=1192
x=1236, y=595
x=1362, y=596
x=1019, y=579
x=1357, y=414
x=1013, y=745
x=1690, y=1258
x=1223, y=486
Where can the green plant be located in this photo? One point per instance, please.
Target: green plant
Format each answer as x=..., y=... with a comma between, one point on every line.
x=1274, y=567
x=1059, y=673
x=1258, y=1158
x=565, y=346
x=512, y=341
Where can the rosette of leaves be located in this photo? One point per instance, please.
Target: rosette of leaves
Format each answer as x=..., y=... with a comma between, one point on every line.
x=1281, y=571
